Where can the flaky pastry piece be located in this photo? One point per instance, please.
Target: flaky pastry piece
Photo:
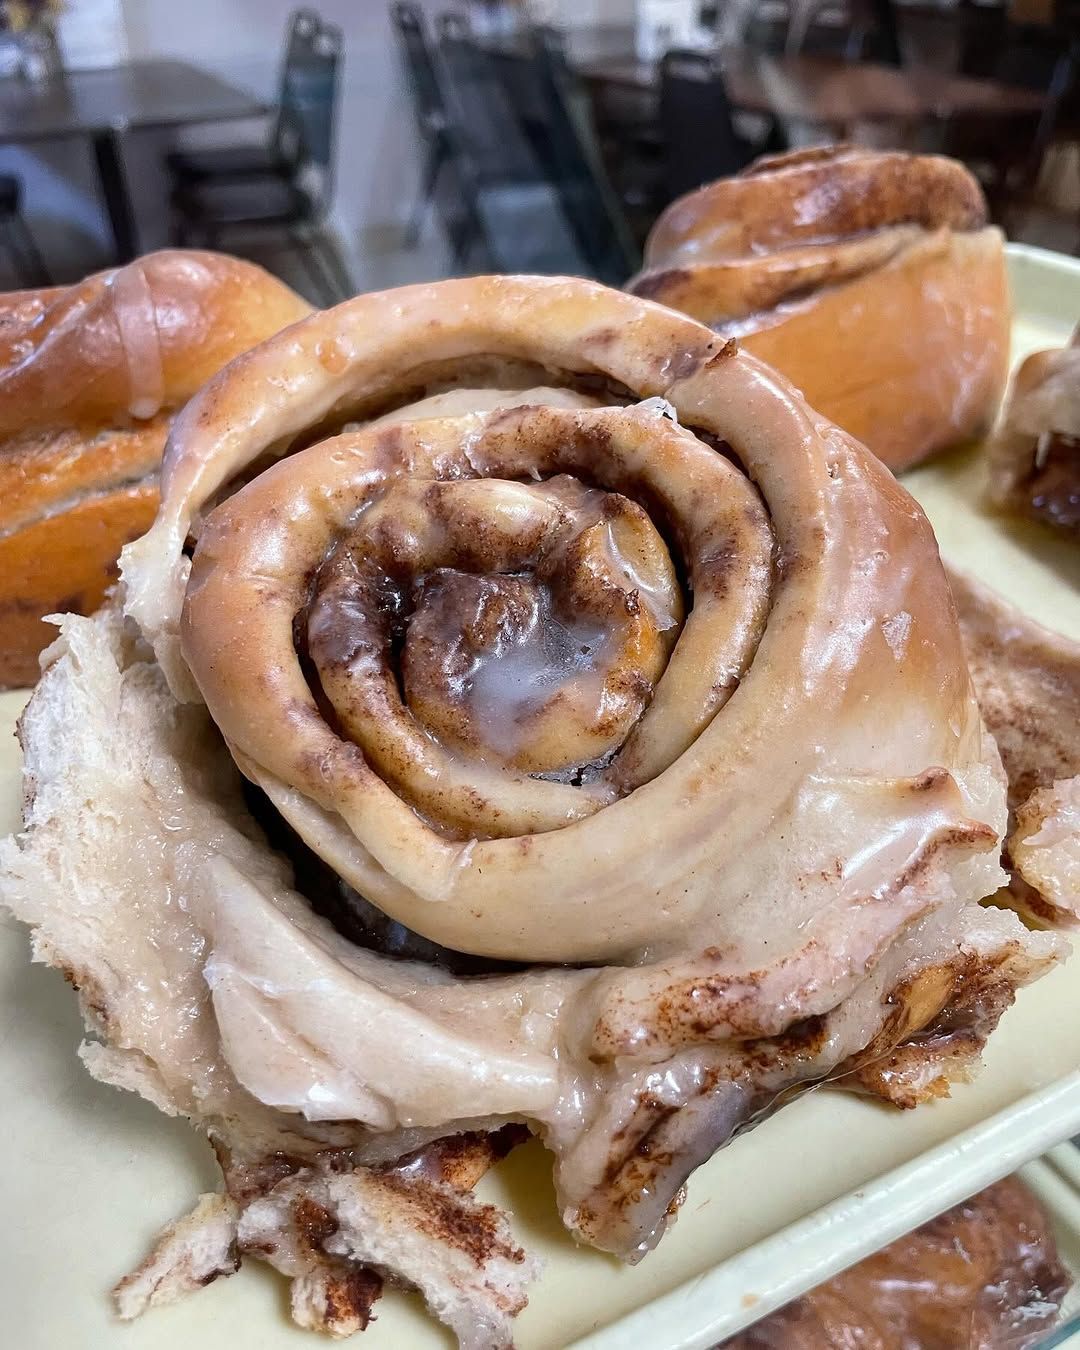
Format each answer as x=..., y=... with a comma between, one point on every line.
x=127, y=823
x=1027, y=679
x=985, y=1275
x=610, y=700
x=870, y=278
x=1034, y=456
x=91, y=376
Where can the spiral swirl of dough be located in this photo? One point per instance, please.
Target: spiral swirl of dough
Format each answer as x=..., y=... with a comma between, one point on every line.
x=533, y=678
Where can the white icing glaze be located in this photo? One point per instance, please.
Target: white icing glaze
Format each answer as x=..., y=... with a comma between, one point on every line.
x=136, y=319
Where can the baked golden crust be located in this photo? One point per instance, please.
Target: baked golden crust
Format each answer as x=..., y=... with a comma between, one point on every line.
x=816, y=483
x=816, y=196
x=90, y=377
x=870, y=278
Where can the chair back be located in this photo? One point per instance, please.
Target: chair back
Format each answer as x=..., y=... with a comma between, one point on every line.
x=875, y=33
x=552, y=109
x=451, y=23
x=700, y=140
x=419, y=63
x=482, y=110
x=982, y=33
x=307, y=115
x=1059, y=106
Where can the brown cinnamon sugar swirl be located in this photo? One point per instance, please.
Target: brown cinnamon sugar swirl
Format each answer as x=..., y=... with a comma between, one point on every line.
x=562, y=634
x=870, y=278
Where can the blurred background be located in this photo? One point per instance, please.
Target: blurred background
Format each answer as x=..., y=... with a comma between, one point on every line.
x=361, y=144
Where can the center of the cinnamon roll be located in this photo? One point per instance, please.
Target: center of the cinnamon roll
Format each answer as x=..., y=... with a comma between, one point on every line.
x=491, y=667
x=526, y=624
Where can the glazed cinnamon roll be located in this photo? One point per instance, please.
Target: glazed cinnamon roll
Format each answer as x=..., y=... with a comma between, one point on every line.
x=870, y=278
x=91, y=377
x=1034, y=457
x=607, y=711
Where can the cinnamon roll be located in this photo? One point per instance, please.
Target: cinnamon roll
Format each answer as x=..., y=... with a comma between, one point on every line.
x=1034, y=457
x=986, y=1273
x=870, y=278
x=91, y=377
x=607, y=710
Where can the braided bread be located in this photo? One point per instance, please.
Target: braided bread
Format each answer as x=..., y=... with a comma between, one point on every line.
x=90, y=378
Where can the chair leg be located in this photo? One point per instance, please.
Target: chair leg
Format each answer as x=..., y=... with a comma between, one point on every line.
x=313, y=266
x=324, y=254
x=29, y=263
x=460, y=235
x=433, y=162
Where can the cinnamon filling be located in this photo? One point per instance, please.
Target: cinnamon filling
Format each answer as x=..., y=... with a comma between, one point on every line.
x=521, y=625
x=1053, y=486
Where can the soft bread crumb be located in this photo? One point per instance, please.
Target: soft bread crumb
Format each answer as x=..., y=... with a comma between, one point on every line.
x=189, y=1253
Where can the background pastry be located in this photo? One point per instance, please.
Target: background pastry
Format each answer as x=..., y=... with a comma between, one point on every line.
x=986, y=1273
x=870, y=278
x=1034, y=456
x=91, y=376
x=477, y=511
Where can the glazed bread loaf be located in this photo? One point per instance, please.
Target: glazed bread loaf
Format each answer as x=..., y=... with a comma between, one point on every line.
x=870, y=278
x=90, y=378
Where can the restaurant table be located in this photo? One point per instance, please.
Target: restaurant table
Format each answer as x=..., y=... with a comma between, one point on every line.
x=103, y=104
x=827, y=92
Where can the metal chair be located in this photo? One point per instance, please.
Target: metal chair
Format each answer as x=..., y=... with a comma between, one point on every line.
x=295, y=203
x=19, y=242
x=983, y=33
x=870, y=33
x=272, y=157
x=551, y=109
x=482, y=108
x=490, y=157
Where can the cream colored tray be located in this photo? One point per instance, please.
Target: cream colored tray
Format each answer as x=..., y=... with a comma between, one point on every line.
x=91, y=1174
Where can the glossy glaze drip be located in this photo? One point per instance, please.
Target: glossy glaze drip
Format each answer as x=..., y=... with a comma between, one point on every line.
x=509, y=661
x=137, y=321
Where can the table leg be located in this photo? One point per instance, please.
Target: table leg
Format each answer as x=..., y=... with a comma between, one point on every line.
x=114, y=194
